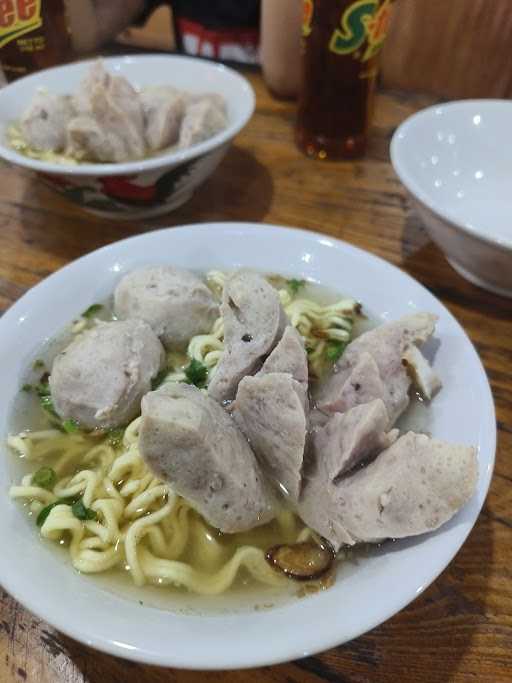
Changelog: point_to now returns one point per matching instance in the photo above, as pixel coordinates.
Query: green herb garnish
(43, 514)
(196, 373)
(115, 437)
(38, 364)
(27, 388)
(92, 310)
(45, 477)
(334, 350)
(70, 426)
(42, 389)
(81, 512)
(159, 378)
(294, 285)
(47, 404)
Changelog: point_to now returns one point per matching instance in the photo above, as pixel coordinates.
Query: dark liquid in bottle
(33, 35)
(339, 61)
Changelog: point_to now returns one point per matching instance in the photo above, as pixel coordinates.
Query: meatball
(100, 378)
(44, 123)
(175, 302)
(203, 119)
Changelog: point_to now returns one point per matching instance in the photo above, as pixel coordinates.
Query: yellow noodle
(140, 523)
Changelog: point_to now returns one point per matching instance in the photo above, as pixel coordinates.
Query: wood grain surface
(460, 629)
(457, 49)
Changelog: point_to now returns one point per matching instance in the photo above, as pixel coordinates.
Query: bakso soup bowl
(454, 159)
(136, 189)
(220, 622)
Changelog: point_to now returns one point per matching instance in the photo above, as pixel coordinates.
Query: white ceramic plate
(374, 590)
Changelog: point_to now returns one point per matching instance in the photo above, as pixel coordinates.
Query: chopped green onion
(47, 404)
(70, 426)
(196, 373)
(27, 387)
(159, 378)
(294, 285)
(81, 512)
(42, 389)
(92, 310)
(38, 364)
(335, 350)
(115, 437)
(43, 514)
(45, 477)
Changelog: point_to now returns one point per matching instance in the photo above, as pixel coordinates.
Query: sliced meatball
(373, 367)
(271, 410)
(254, 321)
(175, 302)
(348, 439)
(111, 122)
(203, 119)
(164, 109)
(289, 356)
(412, 487)
(101, 377)
(44, 124)
(188, 440)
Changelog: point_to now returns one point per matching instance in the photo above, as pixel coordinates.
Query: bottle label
(307, 17)
(364, 20)
(18, 17)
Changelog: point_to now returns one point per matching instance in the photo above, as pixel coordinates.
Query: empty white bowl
(151, 186)
(456, 162)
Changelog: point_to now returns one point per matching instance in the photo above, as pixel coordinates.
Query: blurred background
(455, 49)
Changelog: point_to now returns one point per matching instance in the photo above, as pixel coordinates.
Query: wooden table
(460, 629)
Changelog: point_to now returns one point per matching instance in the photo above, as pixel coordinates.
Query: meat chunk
(254, 321)
(347, 439)
(110, 126)
(175, 302)
(372, 367)
(96, 77)
(289, 356)
(100, 378)
(164, 109)
(188, 440)
(203, 119)
(44, 124)
(412, 487)
(420, 372)
(271, 411)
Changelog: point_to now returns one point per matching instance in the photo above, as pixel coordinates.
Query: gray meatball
(175, 302)
(100, 378)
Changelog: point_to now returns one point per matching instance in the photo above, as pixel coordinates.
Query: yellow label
(307, 17)
(363, 21)
(18, 17)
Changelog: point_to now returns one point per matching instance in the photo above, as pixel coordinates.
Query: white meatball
(100, 378)
(175, 302)
(44, 123)
(203, 119)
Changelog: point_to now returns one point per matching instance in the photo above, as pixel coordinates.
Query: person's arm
(281, 22)
(94, 22)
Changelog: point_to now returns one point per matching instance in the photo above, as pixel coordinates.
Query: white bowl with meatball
(211, 460)
(125, 137)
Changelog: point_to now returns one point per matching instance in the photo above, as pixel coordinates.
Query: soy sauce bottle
(34, 34)
(341, 41)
